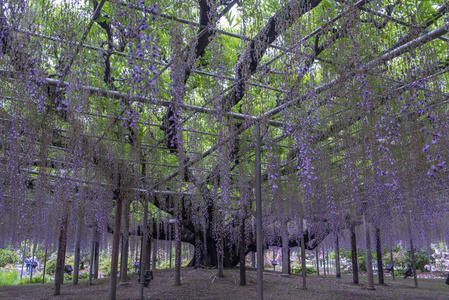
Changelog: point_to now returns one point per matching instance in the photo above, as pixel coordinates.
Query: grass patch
(8, 277)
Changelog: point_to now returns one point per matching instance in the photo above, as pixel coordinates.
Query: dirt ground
(204, 284)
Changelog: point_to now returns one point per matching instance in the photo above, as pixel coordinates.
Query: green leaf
(102, 20)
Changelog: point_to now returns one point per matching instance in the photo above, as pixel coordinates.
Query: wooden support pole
(97, 254)
(242, 248)
(392, 263)
(355, 266)
(220, 257)
(76, 267)
(92, 260)
(154, 254)
(412, 249)
(23, 258)
(259, 229)
(125, 245)
(317, 261)
(337, 258)
(379, 252)
(60, 260)
(369, 258)
(32, 260)
(45, 267)
(115, 244)
(144, 249)
(303, 258)
(177, 253)
(170, 250)
(324, 260)
(285, 250)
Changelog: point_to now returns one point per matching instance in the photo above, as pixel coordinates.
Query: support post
(97, 254)
(303, 257)
(380, 267)
(317, 254)
(412, 250)
(177, 253)
(258, 190)
(92, 260)
(430, 261)
(125, 245)
(76, 264)
(59, 274)
(32, 260)
(115, 243)
(45, 267)
(154, 254)
(242, 248)
(337, 258)
(170, 243)
(355, 266)
(220, 256)
(23, 258)
(369, 258)
(324, 260)
(285, 251)
(143, 251)
(392, 264)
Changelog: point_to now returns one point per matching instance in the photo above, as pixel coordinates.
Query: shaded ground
(203, 284)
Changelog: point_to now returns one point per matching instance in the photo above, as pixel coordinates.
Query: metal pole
(144, 248)
(260, 261)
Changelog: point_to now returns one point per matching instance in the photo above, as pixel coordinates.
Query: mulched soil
(204, 284)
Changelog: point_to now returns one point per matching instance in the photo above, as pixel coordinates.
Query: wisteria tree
(110, 108)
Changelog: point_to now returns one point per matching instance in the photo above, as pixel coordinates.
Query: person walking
(28, 264)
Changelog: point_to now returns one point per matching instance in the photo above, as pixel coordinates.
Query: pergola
(213, 114)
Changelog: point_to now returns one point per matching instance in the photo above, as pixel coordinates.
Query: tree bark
(60, 260)
(355, 266)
